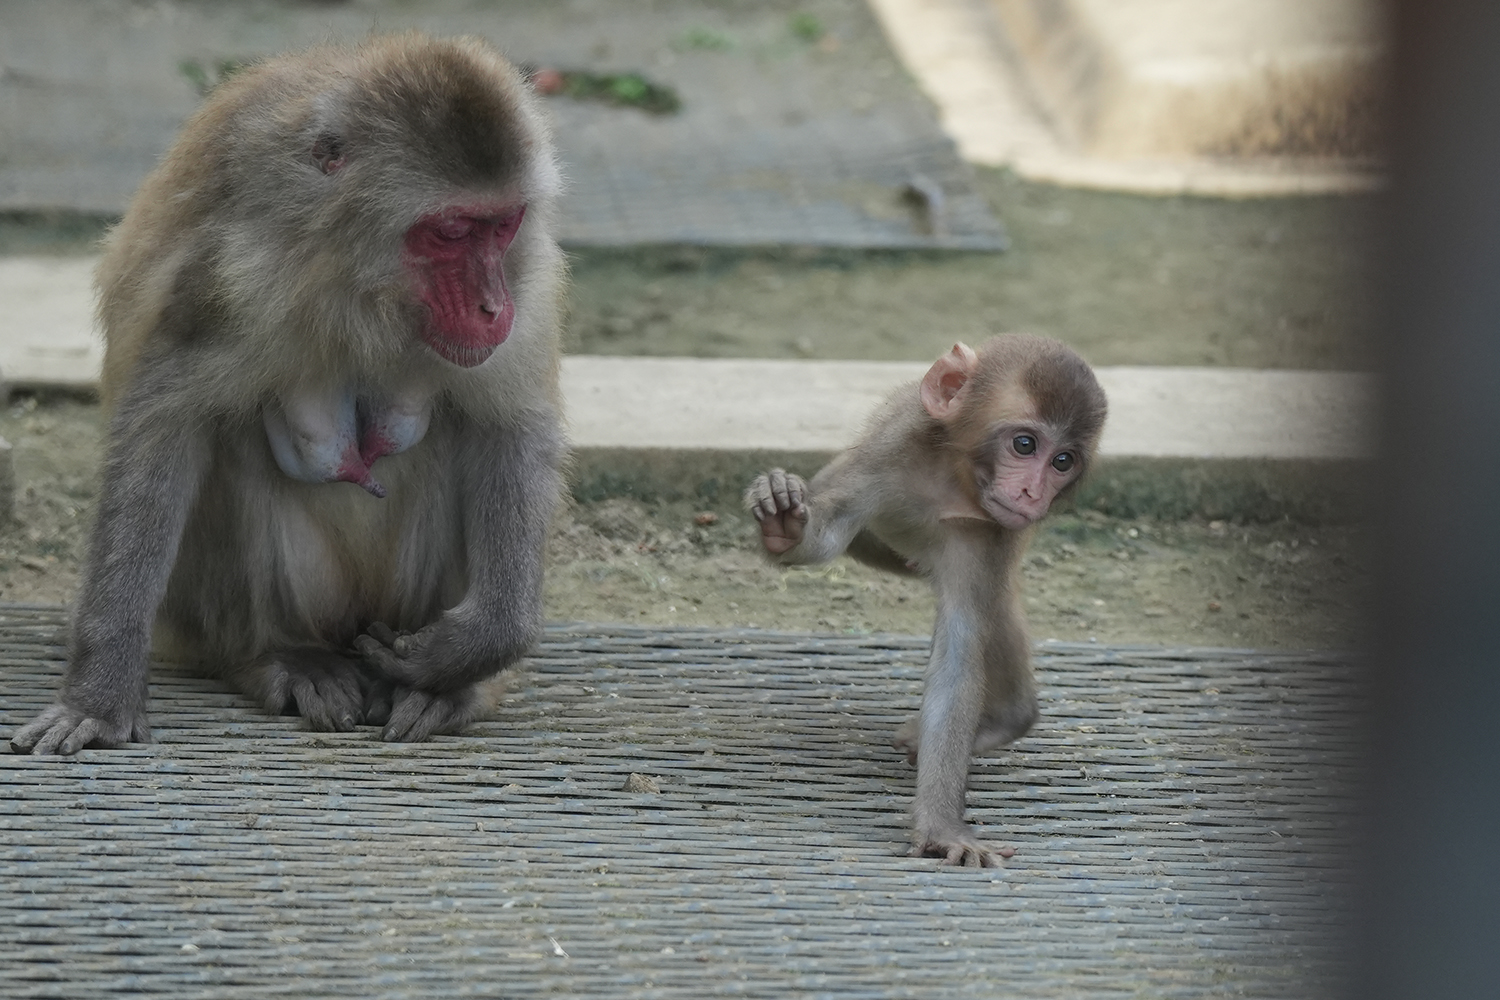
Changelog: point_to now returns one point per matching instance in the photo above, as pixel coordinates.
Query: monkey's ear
(945, 378)
(328, 152)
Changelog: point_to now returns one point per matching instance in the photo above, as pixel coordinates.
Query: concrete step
(765, 405)
(1179, 440)
(1220, 97)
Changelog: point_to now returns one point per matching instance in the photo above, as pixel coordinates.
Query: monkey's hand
(417, 714)
(776, 501)
(956, 844)
(63, 729)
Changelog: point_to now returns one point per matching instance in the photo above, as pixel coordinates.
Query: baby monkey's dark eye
(1062, 461)
(1024, 444)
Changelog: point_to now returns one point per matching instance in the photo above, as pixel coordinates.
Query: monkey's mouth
(1010, 517)
(465, 356)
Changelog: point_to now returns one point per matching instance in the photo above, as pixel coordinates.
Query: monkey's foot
(326, 689)
(906, 739)
(418, 716)
(957, 845)
(994, 731)
(1006, 723)
(61, 729)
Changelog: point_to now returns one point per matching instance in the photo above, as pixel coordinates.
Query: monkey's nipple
(361, 476)
(372, 487)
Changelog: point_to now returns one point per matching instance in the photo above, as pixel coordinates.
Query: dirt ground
(1087, 577)
(1125, 279)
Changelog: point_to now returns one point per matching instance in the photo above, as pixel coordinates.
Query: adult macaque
(331, 322)
(946, 482)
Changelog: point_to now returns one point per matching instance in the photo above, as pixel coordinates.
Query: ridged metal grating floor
(1181, 820)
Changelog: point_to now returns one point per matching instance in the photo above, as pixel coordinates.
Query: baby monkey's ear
(943, 381)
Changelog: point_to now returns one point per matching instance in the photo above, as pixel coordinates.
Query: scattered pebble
(705, 518)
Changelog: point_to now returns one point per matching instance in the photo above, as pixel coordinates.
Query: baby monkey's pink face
(1021, 471)
(1020, 452)
(456, 259)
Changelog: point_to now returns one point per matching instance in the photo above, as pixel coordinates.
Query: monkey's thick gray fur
(270, 258)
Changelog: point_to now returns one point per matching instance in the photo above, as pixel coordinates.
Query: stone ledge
(1231, 98)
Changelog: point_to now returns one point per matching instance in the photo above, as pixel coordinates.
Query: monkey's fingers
(382, 658)
(960, 850)
(787, 490)
(382, 632)
(64, 730)
(331, 703)
(378, 693)
(758, 499)
(959, 855)
(421, 715)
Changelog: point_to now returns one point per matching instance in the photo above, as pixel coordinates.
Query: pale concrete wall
(1171, 78)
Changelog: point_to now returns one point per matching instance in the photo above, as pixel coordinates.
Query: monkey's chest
(335, 435)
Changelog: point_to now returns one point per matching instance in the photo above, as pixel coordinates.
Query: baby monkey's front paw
(776, 501)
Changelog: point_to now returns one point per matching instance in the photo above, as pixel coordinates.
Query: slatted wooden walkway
(1180, 819)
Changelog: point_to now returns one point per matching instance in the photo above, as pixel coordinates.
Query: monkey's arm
(156, 459)
(867, 547)
(978, 678)
(509, 501)
(803, 522)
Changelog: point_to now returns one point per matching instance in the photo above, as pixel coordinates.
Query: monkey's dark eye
(1024, 444)
(1062, 461)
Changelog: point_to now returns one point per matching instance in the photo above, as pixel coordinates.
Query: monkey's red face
(1021, 473)
(456, 259)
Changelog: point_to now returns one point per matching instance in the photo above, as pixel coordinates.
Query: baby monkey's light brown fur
(947, 482)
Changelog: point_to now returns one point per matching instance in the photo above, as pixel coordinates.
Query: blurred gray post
(1432, 861)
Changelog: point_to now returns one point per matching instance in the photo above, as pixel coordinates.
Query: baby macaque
(947, 482)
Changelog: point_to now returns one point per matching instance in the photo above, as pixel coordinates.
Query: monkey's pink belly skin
(336, 436)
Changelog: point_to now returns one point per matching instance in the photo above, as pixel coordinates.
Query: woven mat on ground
(1180, 819)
